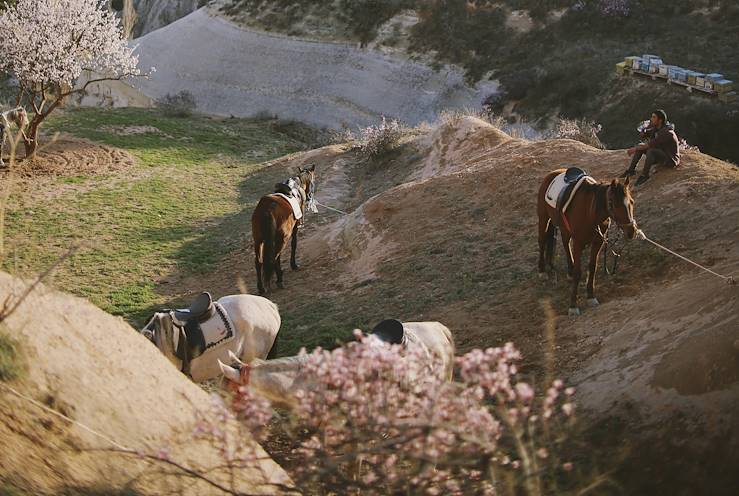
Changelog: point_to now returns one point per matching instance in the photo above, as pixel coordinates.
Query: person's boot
(642, 179)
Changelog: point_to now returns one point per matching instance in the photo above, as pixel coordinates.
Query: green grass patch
(177, 212)
(11, 361)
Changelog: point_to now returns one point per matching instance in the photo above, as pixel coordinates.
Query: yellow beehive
(729, 97)
(723, 85)
(621, 68)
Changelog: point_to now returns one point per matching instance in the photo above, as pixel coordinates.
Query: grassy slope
(178, 211)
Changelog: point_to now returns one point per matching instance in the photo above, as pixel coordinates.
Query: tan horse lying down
(195, 339)
(278, 380)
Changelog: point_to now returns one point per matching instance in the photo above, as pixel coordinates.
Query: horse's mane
(600, 190)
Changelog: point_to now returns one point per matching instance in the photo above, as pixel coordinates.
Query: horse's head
(161, 331)
(621, 207)
(307, 178)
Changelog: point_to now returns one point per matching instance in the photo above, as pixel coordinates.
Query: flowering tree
(47, 44)
(374, 420)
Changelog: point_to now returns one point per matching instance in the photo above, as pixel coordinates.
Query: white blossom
(50, 42)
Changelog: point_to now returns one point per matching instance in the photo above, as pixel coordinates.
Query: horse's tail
(551, 238)
(269, 232)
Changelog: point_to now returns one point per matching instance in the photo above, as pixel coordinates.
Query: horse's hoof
(295, 267)
(593, 302)
(573, 312)
(280, 285)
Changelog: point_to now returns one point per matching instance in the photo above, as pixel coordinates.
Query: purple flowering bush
(377, 419)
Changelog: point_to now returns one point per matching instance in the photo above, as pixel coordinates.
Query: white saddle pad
(558, 184)
(294, 202)
(218, 329)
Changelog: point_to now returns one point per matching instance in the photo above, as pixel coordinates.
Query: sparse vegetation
(11, 363)
(579, 130)
(565, 65)
(182, 104)
(378, 140)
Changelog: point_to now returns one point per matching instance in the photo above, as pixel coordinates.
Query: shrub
(182, 104)
(10, 361)
(375, 141)
(376, 420)
(581, 130)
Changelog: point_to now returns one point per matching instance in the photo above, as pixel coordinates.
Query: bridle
(612, 212)
(604, 236)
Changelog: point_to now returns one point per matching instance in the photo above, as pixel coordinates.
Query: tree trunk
(31, 144)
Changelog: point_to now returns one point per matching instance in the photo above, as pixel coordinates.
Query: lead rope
(331, 208)
(643, 237)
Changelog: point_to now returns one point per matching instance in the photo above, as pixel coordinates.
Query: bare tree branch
(10, 306)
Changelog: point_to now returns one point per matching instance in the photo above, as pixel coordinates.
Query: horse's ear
(229, 373)
(627, 181)
(614, 182)
(312, 168)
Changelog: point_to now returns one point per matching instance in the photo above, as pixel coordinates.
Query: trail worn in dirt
(455, 240)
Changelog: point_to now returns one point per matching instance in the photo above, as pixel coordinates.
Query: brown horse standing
(273, 224)
(588, 215)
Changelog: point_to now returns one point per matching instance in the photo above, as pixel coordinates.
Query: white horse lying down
(196, 338)
(278, 380)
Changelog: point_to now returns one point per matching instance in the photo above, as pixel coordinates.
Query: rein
(604, 236)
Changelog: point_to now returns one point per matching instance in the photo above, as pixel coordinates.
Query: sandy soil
(99, 371)
(657, 356)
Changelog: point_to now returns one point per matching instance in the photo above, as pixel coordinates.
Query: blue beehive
(714, 76)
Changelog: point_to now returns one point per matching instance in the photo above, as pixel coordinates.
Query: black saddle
(201, 309)
(192, 341)
(391, 331)
(572, 176)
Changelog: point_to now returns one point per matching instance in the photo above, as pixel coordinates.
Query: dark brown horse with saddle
(582, 208)
(275, 222)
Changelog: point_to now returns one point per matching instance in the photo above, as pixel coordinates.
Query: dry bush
(182, 104)
(378, 140)
(581, 130)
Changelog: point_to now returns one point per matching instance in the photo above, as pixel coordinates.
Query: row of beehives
(713, 83)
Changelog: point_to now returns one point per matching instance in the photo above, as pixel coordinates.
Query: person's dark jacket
(666, 140)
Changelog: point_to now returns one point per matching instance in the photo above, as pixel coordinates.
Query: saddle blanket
(556, 187)
(294, 203)
(218, 329)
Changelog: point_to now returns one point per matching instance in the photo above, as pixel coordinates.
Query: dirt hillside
(445, 228)
(99, 371)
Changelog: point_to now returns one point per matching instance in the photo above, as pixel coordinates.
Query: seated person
(662, 147)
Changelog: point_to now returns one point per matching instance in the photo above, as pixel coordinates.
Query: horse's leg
(2, 143)
(576, 274)
(543, 224)
(258, 267)
(568, 251)
(278, 271)
(293, 248)
(595, 249)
